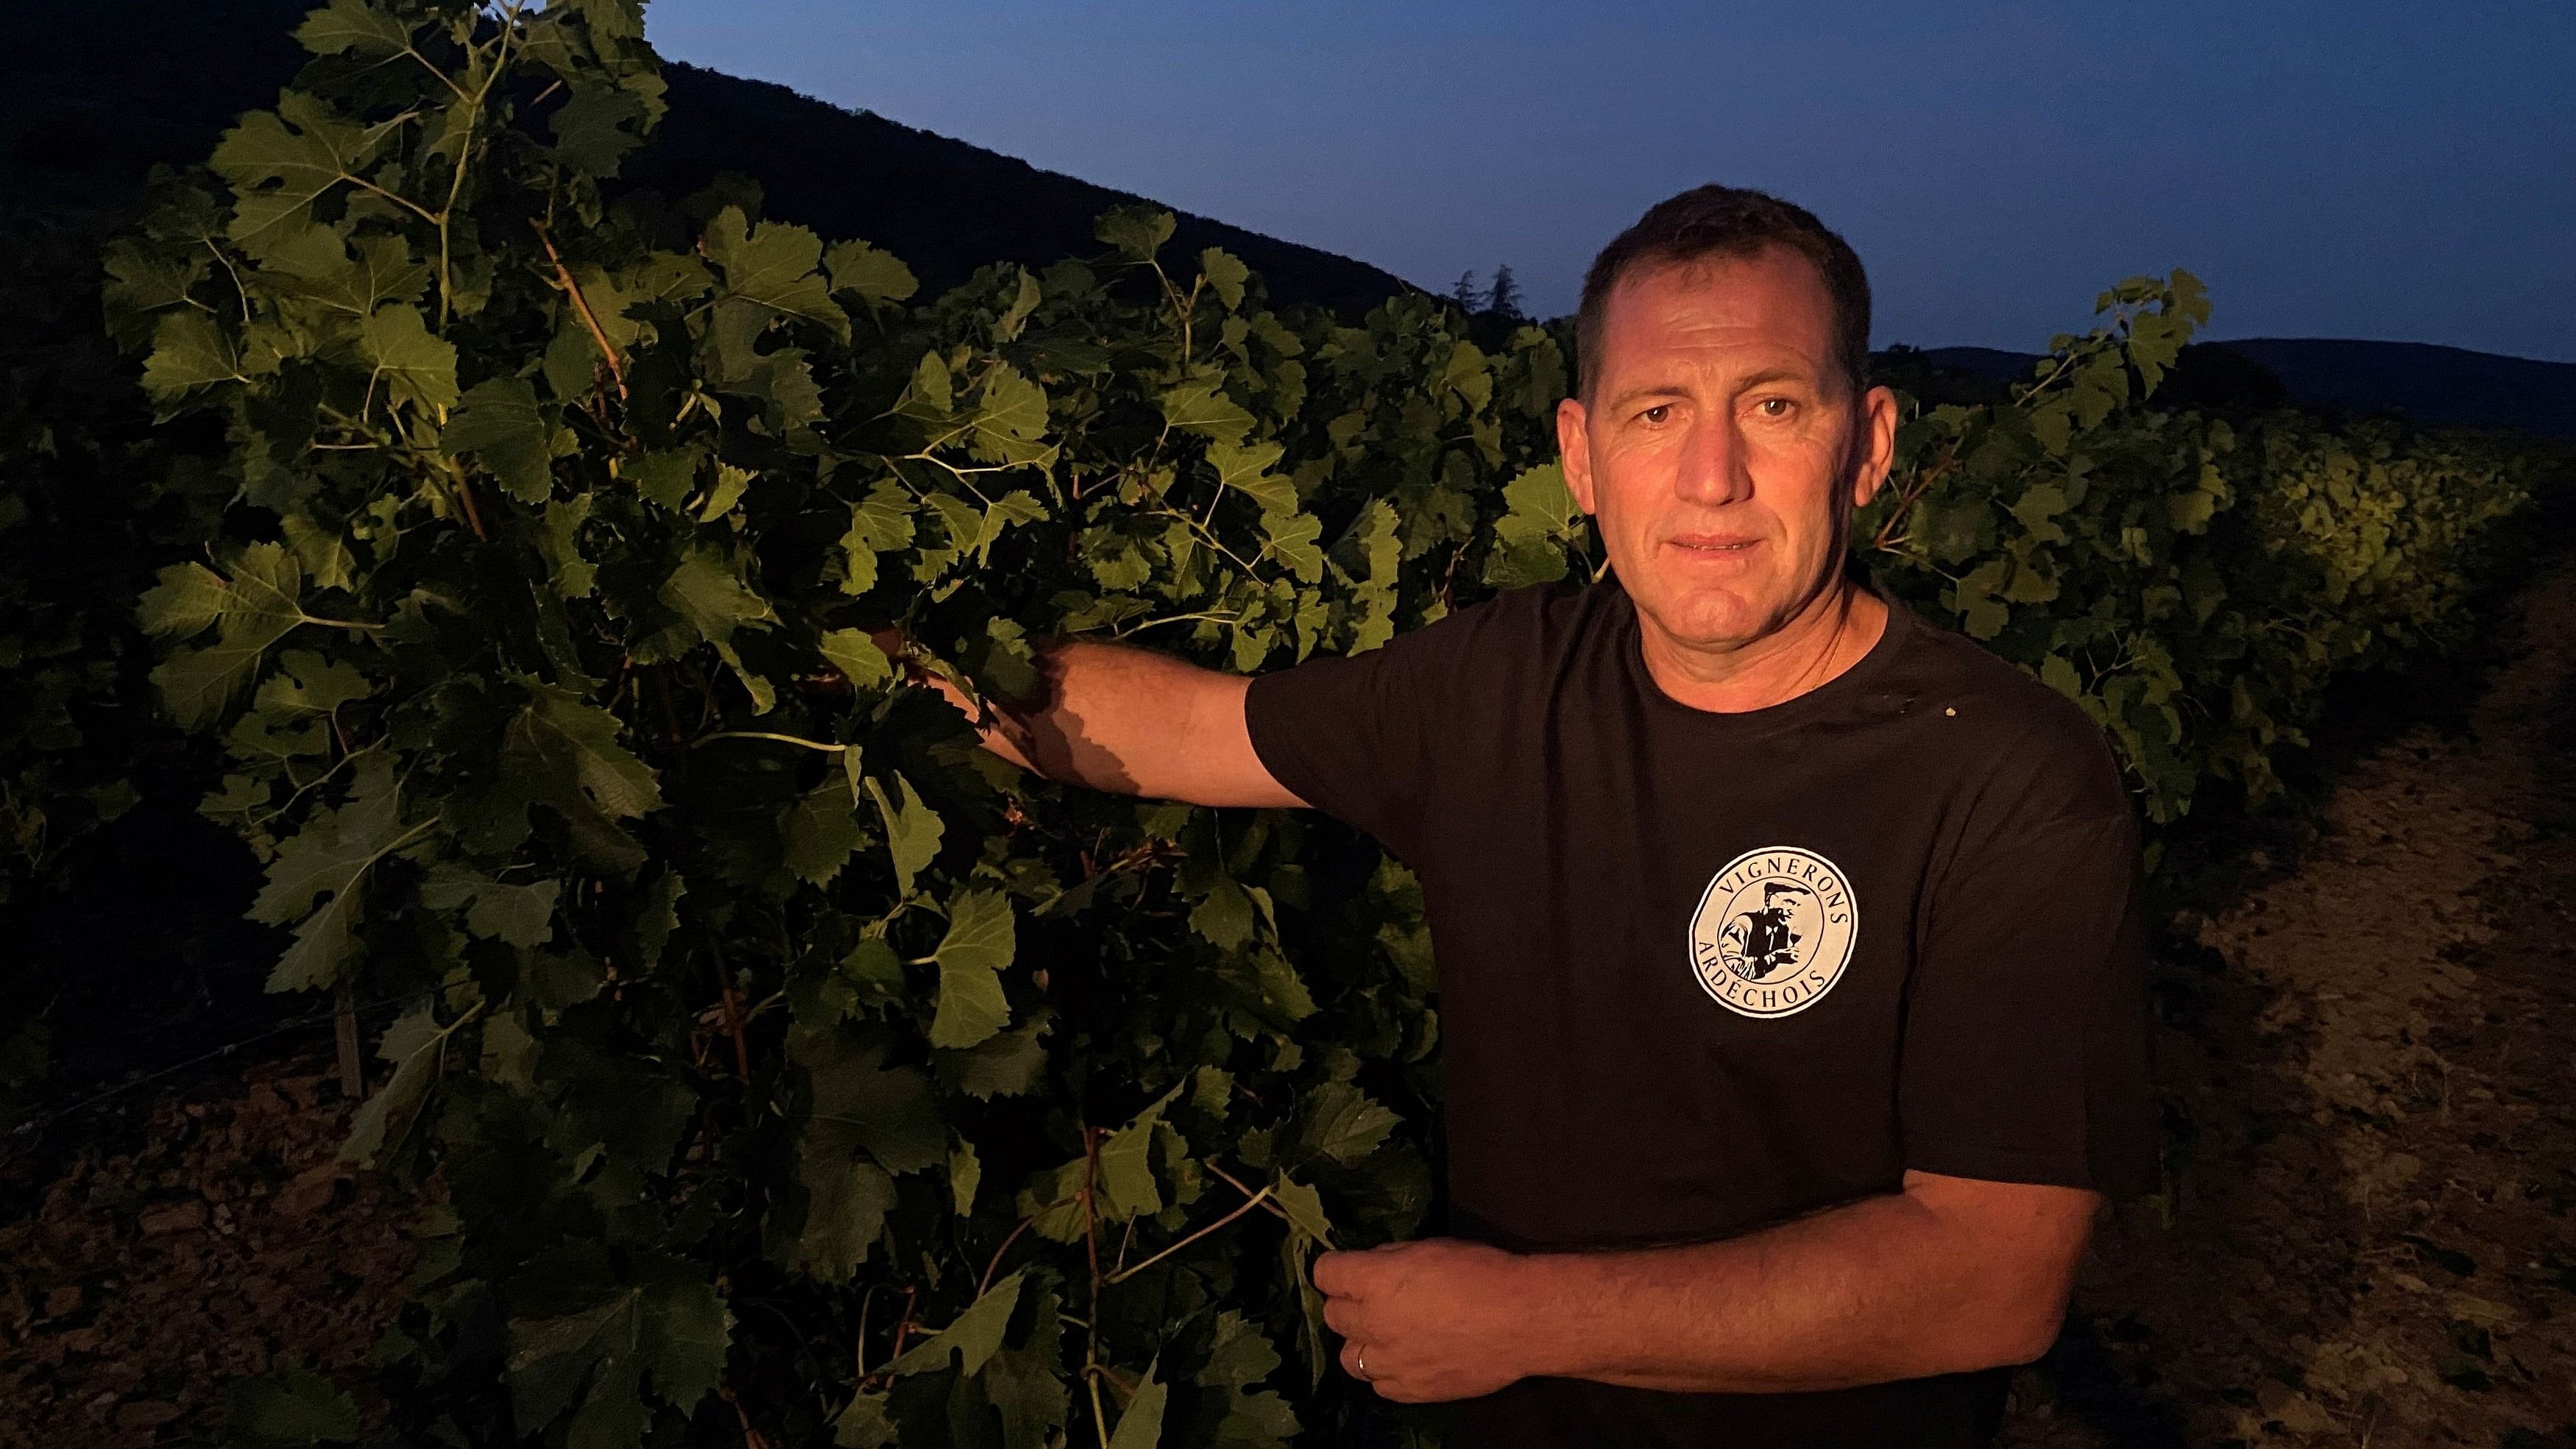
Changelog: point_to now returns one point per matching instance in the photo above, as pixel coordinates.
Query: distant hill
(942, 205)
(2418, 380)
(2429, 383)
(92, 92)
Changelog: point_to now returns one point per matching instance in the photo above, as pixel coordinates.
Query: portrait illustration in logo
(1759, 942)
(1773, 932)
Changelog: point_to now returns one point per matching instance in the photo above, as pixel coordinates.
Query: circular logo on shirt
(1773, 932)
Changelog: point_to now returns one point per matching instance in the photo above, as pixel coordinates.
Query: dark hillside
(2441, 386)
(93, 93)
(2428, 383)
(943, 206)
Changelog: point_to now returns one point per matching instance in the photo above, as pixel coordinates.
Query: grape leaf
(1246, 470)
(329, 858)
(579, 742)
(1140, 1426)
(280, 162)
(878, 276)
(260, 605)
(412, 366)
(1006, 1064)
(291, 1406)
(912, 830)
(970, 1341)
(979, 942)
(772, 268)
(1226, 274)
(520, 915)
(822, 831)
(1126, 1174)
(501, 422)
(1201, 406)
(592, 129)
(1136, 231)
(344, 26)
(1341, 1123)
(858, 658)
(416, 1045)
(186, 602)
(666, 1324)
(190, 350)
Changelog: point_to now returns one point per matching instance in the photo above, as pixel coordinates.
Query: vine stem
(985, 1283)
(1123, 1274)
(1099, 1415)
(861, 1358)
(902, 1331)
(1915, 489)
(1280, 1212)
(581, 304)
(731, 1002)
(829, 749)
(751, 1438)
(1091, 1247)
(473, 516)
(903, 1325)
(456, 185)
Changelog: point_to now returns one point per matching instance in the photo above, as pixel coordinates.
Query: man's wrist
(1530, 1298)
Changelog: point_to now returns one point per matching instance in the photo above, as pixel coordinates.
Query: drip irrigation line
(34, 1126)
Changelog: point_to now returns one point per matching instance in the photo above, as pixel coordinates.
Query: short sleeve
(2027, 1029)
(1356, 736)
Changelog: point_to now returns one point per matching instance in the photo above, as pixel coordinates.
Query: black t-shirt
(1701, 972)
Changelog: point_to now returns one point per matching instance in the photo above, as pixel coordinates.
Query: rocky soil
(2372, 1241)
(168, 1253)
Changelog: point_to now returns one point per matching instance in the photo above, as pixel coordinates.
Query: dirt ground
(172, 1252)
(2372, 1243)
(2368, 1071)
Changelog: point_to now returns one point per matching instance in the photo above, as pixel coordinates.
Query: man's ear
(1877, 444)
(1574, 450)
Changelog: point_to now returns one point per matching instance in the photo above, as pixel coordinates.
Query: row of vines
(785, 1068)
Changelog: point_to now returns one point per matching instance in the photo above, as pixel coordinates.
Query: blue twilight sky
(2352, 168)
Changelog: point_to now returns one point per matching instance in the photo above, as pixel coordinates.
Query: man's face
(1719, 442)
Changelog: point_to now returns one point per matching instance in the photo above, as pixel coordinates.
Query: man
(1823, 1192)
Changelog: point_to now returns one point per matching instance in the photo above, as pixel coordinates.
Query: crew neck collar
(1835, 695)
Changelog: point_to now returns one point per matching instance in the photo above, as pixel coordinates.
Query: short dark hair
(1727, 221)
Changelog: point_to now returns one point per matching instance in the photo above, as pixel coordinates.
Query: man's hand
(1124, 720)
(1423, 1322)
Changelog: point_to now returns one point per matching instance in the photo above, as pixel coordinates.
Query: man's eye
(1774, 407)
(1657, 413)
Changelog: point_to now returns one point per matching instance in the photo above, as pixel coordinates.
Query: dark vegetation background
(147, 963)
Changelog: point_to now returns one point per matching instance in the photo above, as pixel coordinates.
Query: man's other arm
(1946, 1276)
(1136, 723)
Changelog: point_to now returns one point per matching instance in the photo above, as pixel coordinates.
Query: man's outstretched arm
(1136, 723)
(1949, 1275)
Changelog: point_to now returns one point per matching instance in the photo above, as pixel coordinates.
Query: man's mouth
(1712, 543)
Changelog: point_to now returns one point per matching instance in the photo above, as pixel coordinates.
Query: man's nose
(1713, 463)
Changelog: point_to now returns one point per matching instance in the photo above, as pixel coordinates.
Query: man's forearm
(1884, 1288)
(1134, 722)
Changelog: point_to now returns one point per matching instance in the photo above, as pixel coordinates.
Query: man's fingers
(1351, 1361)
(1343, 1316)
(1340, 1274)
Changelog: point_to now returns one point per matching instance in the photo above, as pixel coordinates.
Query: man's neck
(1817, 643)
